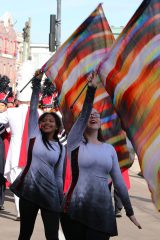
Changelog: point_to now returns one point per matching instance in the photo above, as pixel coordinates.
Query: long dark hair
(58, 124)
(55, 136)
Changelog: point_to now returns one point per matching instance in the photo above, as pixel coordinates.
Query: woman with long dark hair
(40, 185)
(88, 210)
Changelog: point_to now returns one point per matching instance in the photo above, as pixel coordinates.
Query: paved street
(145, 213)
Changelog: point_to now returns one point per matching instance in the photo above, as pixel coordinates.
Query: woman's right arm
(121, 187)
(119, 183)
(76, 133)
(33, 116)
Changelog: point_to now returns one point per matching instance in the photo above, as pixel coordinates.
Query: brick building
(8, 48)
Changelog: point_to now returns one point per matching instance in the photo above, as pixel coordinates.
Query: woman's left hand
(134, 220)
(92, 79)
(38, 74)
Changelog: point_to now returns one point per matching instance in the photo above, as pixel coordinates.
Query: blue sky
(74, 12)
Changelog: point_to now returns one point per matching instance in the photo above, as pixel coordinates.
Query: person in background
(46, 104)
(48, 95)
(88, 210)
(4, 81)
(10, 99)
(2, 164)
(17, 120)
(3, 105)
(40, 185)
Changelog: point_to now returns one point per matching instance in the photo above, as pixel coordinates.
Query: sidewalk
(9, 228)
(144, 209)
(135, 167)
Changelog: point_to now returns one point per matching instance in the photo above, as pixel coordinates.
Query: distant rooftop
(7, 19)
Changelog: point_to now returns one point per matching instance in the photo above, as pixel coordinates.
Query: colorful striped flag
(131, 75)
(76, 58)
(69, 68)
(111, 129)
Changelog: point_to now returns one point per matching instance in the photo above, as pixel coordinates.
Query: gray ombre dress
(89, 199)
(41, 182)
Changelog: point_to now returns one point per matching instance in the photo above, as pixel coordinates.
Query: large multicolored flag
(131, 75)
(69, 68)
(111, 129)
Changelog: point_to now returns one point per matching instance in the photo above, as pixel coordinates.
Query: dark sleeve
(33, 116)
(120, 185)
(2, 129)
(76, 133)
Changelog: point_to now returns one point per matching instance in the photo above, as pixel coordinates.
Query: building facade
(40, 54)
(8, 48)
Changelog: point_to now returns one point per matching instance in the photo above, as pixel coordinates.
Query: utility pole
(58, 25)
(52, 34)
(55, 29)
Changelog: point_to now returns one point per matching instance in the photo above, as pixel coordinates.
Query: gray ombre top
(41, 182)
(89, 200)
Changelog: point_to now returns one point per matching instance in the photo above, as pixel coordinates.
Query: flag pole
(26, 85)
(89, 78)
(71, 107)
(38, 72)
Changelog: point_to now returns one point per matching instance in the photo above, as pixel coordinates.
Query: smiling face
(48, 124)
(94, 121)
